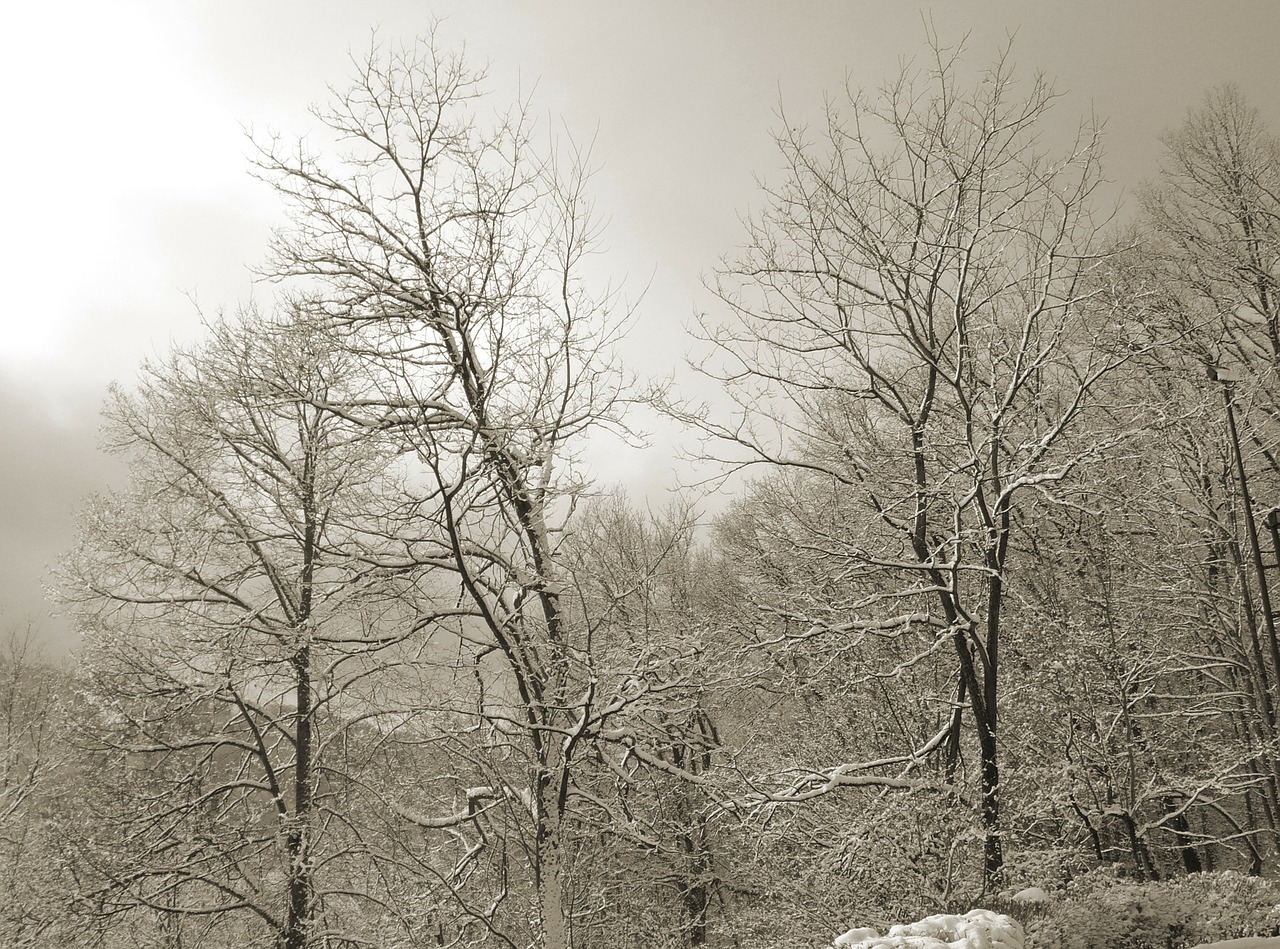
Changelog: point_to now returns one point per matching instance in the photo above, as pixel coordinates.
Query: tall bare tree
(914, 326)
(1212, 226)
(234, 627)
(448, 251)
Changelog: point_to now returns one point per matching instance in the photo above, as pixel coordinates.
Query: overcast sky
(128, 203)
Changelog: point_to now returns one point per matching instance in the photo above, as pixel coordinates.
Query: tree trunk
(298, 838)
(550, 871)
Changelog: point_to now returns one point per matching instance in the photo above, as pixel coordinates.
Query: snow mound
(976, 929)
(1032, 894)
(855, 937)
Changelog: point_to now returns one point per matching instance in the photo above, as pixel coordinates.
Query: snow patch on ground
(1032, 894)
(976, 929)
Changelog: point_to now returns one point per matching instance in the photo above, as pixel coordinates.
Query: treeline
(369, 661)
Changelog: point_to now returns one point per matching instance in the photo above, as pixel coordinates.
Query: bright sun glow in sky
(127, 194)
(118, 129)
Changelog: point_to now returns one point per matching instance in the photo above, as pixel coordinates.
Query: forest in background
(368, 660)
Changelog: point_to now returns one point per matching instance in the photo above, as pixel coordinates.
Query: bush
(1102, 910)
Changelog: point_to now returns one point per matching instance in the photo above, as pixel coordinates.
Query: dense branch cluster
(369, 661)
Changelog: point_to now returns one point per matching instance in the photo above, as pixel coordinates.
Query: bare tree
(449, 253)
(646, 591)
(914, 325)
(33, 888)
(1216, 210)
(1212, 220)
(234, 631)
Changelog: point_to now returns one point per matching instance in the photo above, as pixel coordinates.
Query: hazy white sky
(127, 196)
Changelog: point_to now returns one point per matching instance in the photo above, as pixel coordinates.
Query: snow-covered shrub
(1047, 866)
(1128, 916)
(1101, 910)
(1228, 905)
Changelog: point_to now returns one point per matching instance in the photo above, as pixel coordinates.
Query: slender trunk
(953, 736)
(993, 853)
(1264, 725)
(1260, 678)
(697, 901)
(297, 841)
(989, 809)
(1181, 830)
(1248, 727)
(1253, 724)
(1207, 847)
(553, 756)
(298, 837)
(1142, 863)
(1251, 532)
(987, 719)
(987, 744)
(551, 873)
